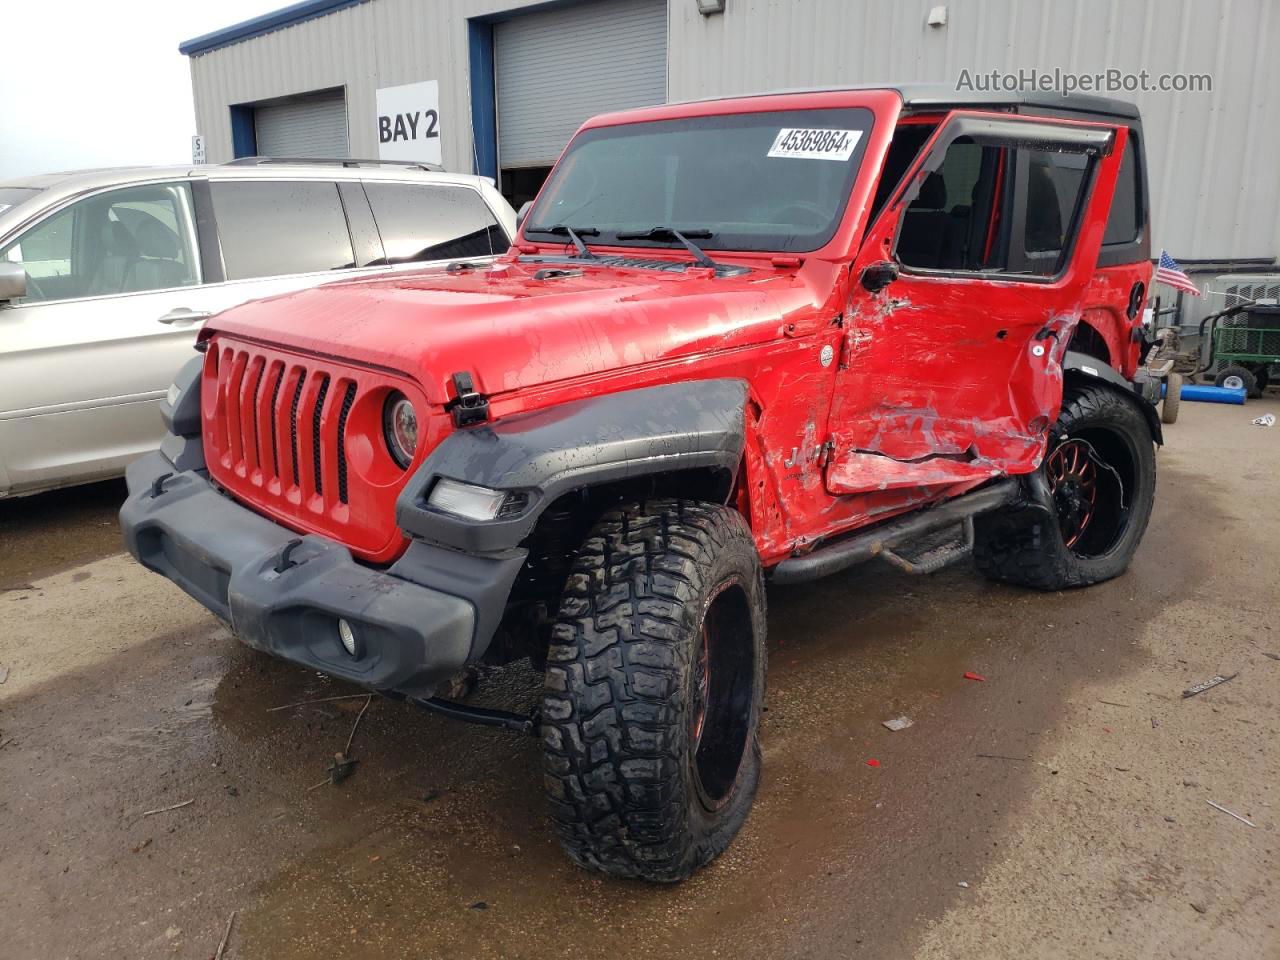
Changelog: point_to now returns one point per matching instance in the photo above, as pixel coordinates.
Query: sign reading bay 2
(409, 122)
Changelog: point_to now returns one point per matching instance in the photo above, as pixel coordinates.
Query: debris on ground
(962, 883)
(873, 763)
(176, 806)
(897, 723)
(4, 674)
(999, 756)
(1266, 420)
(226, 935)
(304, 703)
(1207, 684)
(1199, 907)
(1112, 703)
(343, 763)
(480, 905)
(1273, 656)
(974, 676)
(1230, 814)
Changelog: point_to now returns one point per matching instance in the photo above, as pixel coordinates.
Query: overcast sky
(93, 83)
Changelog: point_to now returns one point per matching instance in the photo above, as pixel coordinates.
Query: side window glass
(956, 220)
(433, 222)
(995, 209)
(271, 228)
(124, 241)
(1125, 219)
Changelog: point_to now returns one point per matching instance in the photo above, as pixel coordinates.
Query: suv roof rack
(336, 161)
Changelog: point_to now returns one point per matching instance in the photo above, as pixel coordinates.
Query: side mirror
(879, 275)
(13, 281)
(522, 213)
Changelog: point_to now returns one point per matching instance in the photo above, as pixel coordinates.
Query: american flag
(1168, 271)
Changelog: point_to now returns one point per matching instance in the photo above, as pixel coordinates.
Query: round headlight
(400, 425)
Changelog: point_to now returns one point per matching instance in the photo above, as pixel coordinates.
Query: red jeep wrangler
(735, 341)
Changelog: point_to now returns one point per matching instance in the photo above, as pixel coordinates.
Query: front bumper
(411, 636)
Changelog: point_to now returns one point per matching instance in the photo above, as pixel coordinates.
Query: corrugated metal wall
(559, 67)
(1214, 189)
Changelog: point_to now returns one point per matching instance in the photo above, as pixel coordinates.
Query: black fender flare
(546, 453)
(1083, 368)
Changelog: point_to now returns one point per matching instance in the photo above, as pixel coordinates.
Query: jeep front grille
(276, 436)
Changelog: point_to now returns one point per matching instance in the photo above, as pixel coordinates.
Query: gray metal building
(514, 79)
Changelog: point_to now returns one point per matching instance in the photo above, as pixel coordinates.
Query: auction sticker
(815, 144)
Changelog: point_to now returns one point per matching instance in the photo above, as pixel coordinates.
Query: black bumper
(411, 636)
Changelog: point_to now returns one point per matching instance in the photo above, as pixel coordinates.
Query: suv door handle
(184, 316)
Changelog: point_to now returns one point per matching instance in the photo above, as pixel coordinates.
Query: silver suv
(107, 275)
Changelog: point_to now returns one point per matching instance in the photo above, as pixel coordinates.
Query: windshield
(12, 196)
(776, 181)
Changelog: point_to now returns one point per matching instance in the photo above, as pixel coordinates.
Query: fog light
(347, 636)
(466, 499)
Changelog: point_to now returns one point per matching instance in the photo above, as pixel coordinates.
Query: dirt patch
(126, 697)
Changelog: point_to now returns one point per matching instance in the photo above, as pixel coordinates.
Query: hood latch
(468, 406)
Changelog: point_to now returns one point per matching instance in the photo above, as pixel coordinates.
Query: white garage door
(313, 126)
(558, 68)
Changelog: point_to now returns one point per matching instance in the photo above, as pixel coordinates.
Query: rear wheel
(1100, 472)
(1236, 377)
(654, 684)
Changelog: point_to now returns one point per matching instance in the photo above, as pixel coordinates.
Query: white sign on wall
(197, 149)
(409, 122)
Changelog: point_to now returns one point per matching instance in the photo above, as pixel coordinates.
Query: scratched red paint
(935, 388)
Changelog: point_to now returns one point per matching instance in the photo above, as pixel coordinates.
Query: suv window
(963, 218)
(1125, 219)
(776, 181)
(433, 222)
(123, 241)
(271, 228)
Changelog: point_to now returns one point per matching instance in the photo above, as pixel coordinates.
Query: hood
(515, 325)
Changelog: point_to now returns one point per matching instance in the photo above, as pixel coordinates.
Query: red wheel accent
(701, 690)
(1073, 481)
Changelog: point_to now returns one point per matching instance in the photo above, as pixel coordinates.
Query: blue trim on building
(267, 23)
(484, 102)
(244, 135)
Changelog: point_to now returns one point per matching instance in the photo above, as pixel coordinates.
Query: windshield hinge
(468, 406)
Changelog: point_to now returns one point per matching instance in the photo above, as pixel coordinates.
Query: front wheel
(1100, 472)
(654, 684)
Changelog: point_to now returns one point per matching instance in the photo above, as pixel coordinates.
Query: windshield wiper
(574, 234)
(670, 233)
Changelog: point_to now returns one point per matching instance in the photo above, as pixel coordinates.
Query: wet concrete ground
(1086, 833)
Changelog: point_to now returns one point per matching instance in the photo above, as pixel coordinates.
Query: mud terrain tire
(654, 685)
(1020, 545)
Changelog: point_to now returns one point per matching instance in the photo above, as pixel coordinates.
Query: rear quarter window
(433, 222)
(1125, 219)
(273, 228)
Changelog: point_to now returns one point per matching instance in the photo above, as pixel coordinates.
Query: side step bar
(864, 545)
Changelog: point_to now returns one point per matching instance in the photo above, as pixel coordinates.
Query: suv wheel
(1101, 474)
(654, 684)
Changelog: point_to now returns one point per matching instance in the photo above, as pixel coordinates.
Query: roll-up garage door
(556, 69)
(310, 126)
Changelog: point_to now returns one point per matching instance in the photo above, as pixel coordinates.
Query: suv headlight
(466, 499)
(400, 427)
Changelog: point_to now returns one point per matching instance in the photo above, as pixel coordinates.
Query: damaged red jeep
(736, 341)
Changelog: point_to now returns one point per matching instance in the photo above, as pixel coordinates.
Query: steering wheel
(809, 212)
